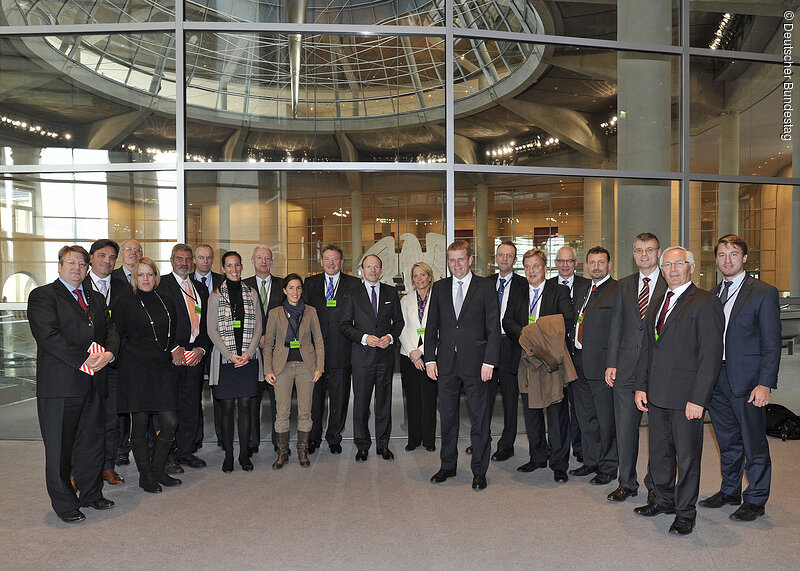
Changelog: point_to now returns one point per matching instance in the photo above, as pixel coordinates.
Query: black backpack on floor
(782, 423)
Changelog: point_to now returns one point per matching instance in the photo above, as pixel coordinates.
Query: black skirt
(236, 383)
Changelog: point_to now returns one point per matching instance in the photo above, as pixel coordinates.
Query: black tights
(243, 423)
(167, 424)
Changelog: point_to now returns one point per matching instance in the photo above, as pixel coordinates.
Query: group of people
(122, 355)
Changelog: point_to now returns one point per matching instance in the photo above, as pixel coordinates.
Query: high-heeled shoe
(246, 464)
(227, 465)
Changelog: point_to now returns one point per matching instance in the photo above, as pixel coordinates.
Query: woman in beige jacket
(294, 355)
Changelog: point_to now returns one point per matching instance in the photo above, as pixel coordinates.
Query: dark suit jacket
(627, 327)
(683, 365)
(63, 334)
(359, 319)
(275, 296)
(554, 299)
(518, 283)
(476, 332)
(596, 326)
(753, 339)
(119, 273)
(337, 346)
(169, 288)
(119, 288)
(580, 286)
(216, 280)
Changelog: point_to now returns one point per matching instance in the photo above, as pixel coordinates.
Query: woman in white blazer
(420, 392)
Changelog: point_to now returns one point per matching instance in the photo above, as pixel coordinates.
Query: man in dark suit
(678, 367)
(372, 320)
(102, 257)
(750, 360)
(566, 260)
(506, 283)
(594, 399)
(328, 292)
(634, 293)
(191, 300)
(462, 348)
(66, 320)
(538, 299)
(270, 296)
(131, 252)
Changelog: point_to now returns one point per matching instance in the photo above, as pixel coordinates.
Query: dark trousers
(73, 433)
(377, 377)
(627, 419)
(255, 415)
(190, 391)
(574, 427)
(557, 433)
(594, 403)
(740, 428)
(480, 416)
(111, 421)
(420, 395)
(506, 381)
(124, 432)
(676, 445)
(336, 382)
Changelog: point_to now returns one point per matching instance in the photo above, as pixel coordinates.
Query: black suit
(190, 378)
(505, 376)
(373, 367)
(460, 345)
(274, 300)
(336, 380)
(594, 399)
(624, 344)
(553, 299)
(70, 402)
(216, 280)
(119, 273)
(680, 367)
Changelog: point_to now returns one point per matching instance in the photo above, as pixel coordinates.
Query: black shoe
(72, 516)
(385, 453)
(579, 457)
(252, 450)
(362, 455)
(410, 447)
(602, 478)
(192, 461)
(173, 467)
(531, 466)
(122, 459)
(652, 509)
(747, 512)
(651, 496)
(335, 448)
(312, 446)
(503, 454)
(560, 476)
(246, 464)
(468, 450)
(479, 482)
(621, 494)
(584, 470)
(227, 465)
(720, 499)
(442, 475)
(431, 448)
(100, 504)
(681, 526)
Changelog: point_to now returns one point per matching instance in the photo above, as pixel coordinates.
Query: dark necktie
(662, 317)
(329, 289)
(565, 283)
(500, 291)
(374, 301)
(81, 302)
(583, 313)
(726, 286)
(644, 297)
(205, 285)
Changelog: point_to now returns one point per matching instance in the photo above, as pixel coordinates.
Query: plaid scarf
(225, 319)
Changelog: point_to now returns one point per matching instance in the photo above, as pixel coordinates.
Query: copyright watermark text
(788, 80)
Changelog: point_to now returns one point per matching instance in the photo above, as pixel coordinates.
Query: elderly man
(131, 252)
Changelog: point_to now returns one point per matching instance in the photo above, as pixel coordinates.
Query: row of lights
(153, 151)
(719, 35)
(25, 126)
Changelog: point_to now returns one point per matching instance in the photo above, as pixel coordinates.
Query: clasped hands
(380, 342)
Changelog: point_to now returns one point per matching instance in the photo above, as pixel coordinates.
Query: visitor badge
(330, 303)
(580, 318)
(294, 344)
(421, 331)
(237, 324)
(198, 309)
(531, 319)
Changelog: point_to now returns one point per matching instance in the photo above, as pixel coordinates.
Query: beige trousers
(295, 373)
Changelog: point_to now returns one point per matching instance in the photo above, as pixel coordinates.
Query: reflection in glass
(66, 12)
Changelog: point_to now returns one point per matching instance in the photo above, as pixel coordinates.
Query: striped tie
(644, 297)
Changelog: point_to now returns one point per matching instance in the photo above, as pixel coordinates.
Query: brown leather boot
(283, 450)
(302, 449)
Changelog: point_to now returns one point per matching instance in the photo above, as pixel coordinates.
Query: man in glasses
(130, 252)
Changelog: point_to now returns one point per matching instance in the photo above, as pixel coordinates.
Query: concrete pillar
(592, 212)
(356, 216)
(728, 193)
(483, 249)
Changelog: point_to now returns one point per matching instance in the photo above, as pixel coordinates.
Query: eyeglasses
(640, 251)
(129, 249)
(562, 261)
(677, 265)
(73, 263)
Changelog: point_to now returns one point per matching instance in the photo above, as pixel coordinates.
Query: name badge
(531, 319)
(580, 318)
(198, 309)
(330, 303)
(421, 331)
(294, 344)
(237, 324)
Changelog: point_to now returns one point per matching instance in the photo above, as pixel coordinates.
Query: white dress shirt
(733, 292)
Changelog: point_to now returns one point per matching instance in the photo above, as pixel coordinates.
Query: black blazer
(169, 288)
(216, 280)
(518, 283)
(683, 365)
(476, 332)
(119, 288)
(359, 319)
(596, 327)
(627, 326)
(337, 346)
(554, 299)
(275, 296)
(119, 273)
(63, 333)
(580, 285)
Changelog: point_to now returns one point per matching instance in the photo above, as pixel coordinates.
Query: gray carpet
(339, 514)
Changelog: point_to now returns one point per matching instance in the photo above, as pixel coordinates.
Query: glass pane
(562, 106)
(65, 12)
(87, 99)
(741, 117)
(759, 27)
(17, 365)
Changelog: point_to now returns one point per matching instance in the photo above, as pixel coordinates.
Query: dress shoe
(112, 477)
(431, 448)
(385, 453)
(442, 475)
(621, 494)
(479, 482)
(227, 465)
(122, 459)
(252, 450)
(531, 466)
(503, 454)
(583, 470)
(720, 499)
(335, 448)
(192, 461)
(410, 447)
(560, 476)
(173, 467)
(602, 478)
(468, 450)
(747, 512)
(246, 464)
(72, 516)
(100, 504)
(652, 509)
(681, 526)
(312, 446)
(362, 455)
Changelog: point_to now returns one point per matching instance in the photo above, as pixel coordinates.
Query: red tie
(82, 303)
(644, 297)
(583, 312)
(662, 317)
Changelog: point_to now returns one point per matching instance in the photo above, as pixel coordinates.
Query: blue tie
(532, 310)
(374, 301)
(329, 289)
(500, 290)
